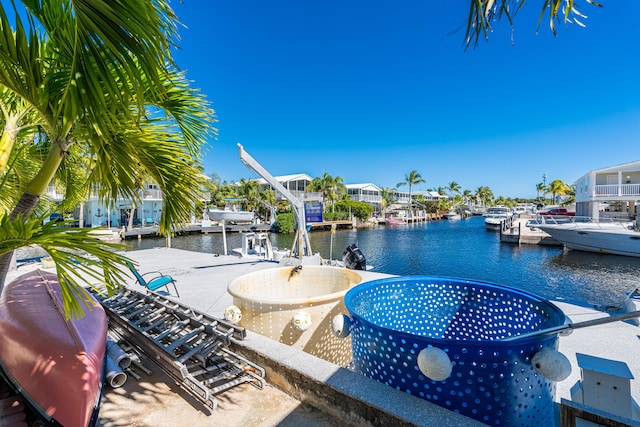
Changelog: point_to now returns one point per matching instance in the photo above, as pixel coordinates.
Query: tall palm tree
(95, 79)
(540, 188)
(454, 188)
(412, 178)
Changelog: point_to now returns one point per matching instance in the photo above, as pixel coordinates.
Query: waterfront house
(95, 213)
(296, 184)
(368, 193)
(611, 192)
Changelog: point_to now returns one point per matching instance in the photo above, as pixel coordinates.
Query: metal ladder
(189, 345)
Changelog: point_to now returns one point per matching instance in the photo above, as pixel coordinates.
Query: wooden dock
(515, 230)
(138, 233)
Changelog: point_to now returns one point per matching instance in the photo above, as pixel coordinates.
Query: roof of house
(288, 178)
(363, 186)
(624, 167)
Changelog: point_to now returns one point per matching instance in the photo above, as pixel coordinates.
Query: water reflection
(463, 249)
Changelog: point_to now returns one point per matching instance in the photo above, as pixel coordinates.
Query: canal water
(461, 249)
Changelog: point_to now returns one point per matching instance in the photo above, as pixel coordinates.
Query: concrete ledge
(351, 398)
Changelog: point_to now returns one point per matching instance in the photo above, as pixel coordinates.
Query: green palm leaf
(80, 258)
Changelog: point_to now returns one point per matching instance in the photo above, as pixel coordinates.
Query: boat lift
(301, 244)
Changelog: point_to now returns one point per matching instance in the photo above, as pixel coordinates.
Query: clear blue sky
(369, 90)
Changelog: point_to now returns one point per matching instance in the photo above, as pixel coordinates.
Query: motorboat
(231, 216)
(495, 216)
(56, 364)
(585, 234)
(232, 212)
(452, 216)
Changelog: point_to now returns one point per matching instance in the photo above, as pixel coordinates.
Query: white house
(369, 193)
(609, 192)
(296, 184)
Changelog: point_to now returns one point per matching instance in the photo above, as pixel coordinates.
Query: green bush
(285, 223)
(360, 210)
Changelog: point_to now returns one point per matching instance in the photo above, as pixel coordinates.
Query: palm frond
(484, 13)
(81, 259)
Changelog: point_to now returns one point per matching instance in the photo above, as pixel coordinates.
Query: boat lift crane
(301, 245)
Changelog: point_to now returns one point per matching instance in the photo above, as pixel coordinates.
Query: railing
(152, 194)
(617, 190)
(576, 220)
(365, 198)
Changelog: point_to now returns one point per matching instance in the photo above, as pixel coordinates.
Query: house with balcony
(611, 192)
(368, 193)
(296, 184)
(95, 213)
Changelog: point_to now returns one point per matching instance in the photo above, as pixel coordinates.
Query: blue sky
(370, 90)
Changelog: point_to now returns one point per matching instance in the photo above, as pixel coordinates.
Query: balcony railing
(618, 190)
(366, 198)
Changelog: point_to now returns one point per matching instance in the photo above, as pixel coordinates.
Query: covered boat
(56, 364)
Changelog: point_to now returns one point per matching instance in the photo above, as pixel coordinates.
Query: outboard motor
(353, 258)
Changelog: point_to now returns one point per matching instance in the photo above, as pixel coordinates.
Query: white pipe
(117, 354)
(115, 376)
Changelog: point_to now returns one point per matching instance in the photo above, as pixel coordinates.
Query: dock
(302, 389)
(515, 230)
(139, 233)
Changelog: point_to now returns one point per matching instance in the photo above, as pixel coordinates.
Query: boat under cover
(56, 364)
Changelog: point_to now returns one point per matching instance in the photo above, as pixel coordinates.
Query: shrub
(285, 223)
(360, 210)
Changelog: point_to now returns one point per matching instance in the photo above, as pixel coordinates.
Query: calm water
(462, 249)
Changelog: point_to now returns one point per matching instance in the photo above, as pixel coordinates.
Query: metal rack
(189, 345)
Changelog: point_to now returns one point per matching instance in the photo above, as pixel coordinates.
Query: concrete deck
(303, 389)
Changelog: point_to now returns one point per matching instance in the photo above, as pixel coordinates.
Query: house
(296, 184)
(95, 213)
(612, 192)
(369, 193)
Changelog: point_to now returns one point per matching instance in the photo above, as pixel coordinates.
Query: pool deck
(302, 389)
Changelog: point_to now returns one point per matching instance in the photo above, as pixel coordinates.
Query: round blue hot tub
(491, 380)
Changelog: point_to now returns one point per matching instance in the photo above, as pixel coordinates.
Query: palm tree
(412, 178)
(557, 187)
(249, 189)
(332, 188)
(540, 188)
(482, 14)
(485, 195)
(94, 79)
(453, 187)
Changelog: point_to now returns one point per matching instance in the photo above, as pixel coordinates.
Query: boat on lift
(232, 213)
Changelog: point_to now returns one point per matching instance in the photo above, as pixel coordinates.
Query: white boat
(232, 212)
(258, 246)
(452, 215)
(585, 234)
(495, 216)
(231, 216)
